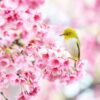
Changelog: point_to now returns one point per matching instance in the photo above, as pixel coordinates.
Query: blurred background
(84, 16)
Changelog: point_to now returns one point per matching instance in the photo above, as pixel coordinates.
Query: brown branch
(91, 86)
(3, 96)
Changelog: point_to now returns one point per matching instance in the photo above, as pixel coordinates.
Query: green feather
(78, 50)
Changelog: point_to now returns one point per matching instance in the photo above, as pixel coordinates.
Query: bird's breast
(71, 46)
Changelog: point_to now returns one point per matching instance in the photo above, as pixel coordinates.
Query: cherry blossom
(29, 52)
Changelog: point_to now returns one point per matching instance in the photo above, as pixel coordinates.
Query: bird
(71, 43)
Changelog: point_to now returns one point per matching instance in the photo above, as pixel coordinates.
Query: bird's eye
(68, 33)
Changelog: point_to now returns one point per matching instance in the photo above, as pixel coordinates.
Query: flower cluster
(28, 52)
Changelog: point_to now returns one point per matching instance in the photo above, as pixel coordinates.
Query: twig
(3, 96)
(91, 86)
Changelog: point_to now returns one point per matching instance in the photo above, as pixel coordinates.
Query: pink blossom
(29, 50)
(55, 62)
(37, 17)
(23, 97)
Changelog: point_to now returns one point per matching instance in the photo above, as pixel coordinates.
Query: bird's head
(69, 33)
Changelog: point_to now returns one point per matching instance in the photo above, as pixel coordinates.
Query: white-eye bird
(72, 43)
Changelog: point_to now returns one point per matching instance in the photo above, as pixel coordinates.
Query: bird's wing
(78, 50)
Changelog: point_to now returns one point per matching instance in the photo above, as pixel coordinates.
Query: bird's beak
(61, 34)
